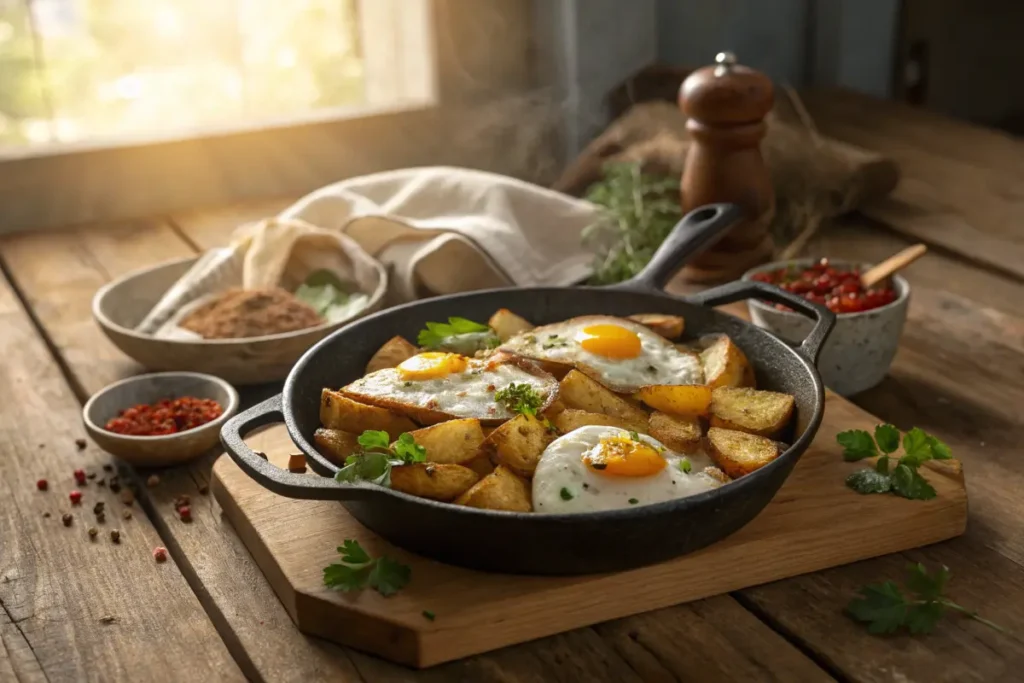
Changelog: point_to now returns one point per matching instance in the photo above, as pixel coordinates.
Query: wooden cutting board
(813, 523)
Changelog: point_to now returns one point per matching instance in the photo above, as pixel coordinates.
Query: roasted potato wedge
(677, 399)
(437, 481)
(739, 453)
(481, 464)
(572, 418)
(753, 411)
(725, 365)
(455, 442)
(335, 445)
(668, 326)
(554, 409)
(576, 390)
(502, 489)
(507, 324)
(680, 433)
(518, 444)
(340, 412)
(394, 351)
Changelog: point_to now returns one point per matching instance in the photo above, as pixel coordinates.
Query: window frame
(469, 65)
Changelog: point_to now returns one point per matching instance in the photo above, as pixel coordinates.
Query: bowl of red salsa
(160, 419)
(869, 322)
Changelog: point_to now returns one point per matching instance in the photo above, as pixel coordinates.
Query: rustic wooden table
(79, 610)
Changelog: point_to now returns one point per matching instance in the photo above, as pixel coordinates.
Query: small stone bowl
(862, 345)
(169, 449)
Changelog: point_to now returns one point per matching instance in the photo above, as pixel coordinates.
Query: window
(124, 108)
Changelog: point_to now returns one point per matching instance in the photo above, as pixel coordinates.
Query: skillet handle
(282, 482)
(824, 319)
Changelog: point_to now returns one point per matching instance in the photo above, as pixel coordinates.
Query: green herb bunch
(376, 457)
(640, 210)
(903, 479)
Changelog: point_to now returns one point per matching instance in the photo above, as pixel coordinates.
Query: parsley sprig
(377, 456)
(903, 479)
(887, 609)
(520, 398)
(358, 570)
(458, 335)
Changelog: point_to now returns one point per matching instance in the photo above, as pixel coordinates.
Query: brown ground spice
(241, 313)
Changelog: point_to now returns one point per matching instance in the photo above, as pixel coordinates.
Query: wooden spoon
(886, 268)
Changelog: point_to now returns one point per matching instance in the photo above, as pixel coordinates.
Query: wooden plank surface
(75, 609)
(292, 540)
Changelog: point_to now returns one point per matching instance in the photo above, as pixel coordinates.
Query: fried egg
(435, 386)
(597, 468)
(621, 354)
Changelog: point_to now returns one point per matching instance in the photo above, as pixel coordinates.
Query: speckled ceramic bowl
(158, 451)
(861, 347)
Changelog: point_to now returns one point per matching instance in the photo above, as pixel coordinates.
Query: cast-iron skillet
(546, 543)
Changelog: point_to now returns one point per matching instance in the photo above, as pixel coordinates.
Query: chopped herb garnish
(376, 457)
(429, 615)
(634, 436)
(520, 398)
(358, 570)
(903, 478)
(633, 501)
(458, 334)
(406, 384)
(684, 465)
(566, 494)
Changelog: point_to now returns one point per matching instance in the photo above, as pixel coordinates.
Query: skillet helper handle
(282, 482)
(694, 233)
(824, 319)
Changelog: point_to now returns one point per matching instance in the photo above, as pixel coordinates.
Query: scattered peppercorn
(97, 509)
(160, 553)
(115, 484)
(46, 515)
(101, 482)
(169, 416)
(127, 497)
(204, 490)
(297, 463)
(108, 620)
(126, 513)
(92, 533)
(67, 519)
(90, 475)
(115, 536)
(152, 481)
(107, 467)
(101, 518)
(76, 497)
(80, 476)
(42, 485)
(185, 513)
(80, 444)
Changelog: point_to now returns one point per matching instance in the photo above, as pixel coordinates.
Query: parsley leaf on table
(857, 445)
(358, 570)
(886, 609)
(520, 398)
(902, 480)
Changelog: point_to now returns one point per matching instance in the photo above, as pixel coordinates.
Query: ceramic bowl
(158, 451)
(862, 345)
(121, 305)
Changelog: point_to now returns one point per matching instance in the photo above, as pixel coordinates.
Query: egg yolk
(610, 341)
(431, 365)
(623, 457)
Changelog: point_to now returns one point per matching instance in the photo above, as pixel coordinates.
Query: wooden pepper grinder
(725, 105)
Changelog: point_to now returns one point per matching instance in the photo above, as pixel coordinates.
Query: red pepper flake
(185, 513)
(297, 463)
(160, 553)
(169, 416)
(182, 500)
(76, 497)
(80, 477)
(42, 485)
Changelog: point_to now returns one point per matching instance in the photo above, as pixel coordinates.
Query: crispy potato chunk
(576, 390)
(437, 481)
(725, 365)
(518, 444)
(739, 453)
(394, 351)
(454, 442)
(668, 326)
(717, 474)
(507, 324)
(335, 445)
(340, 412)
(753, 411)
(481, 464)
(571, 419)
(677, 399)
(678, 432)
(500, 490)
(554, 409)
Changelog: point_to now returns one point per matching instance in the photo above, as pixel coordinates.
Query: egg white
(469, 393)
(659, 360)
(561, 467)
